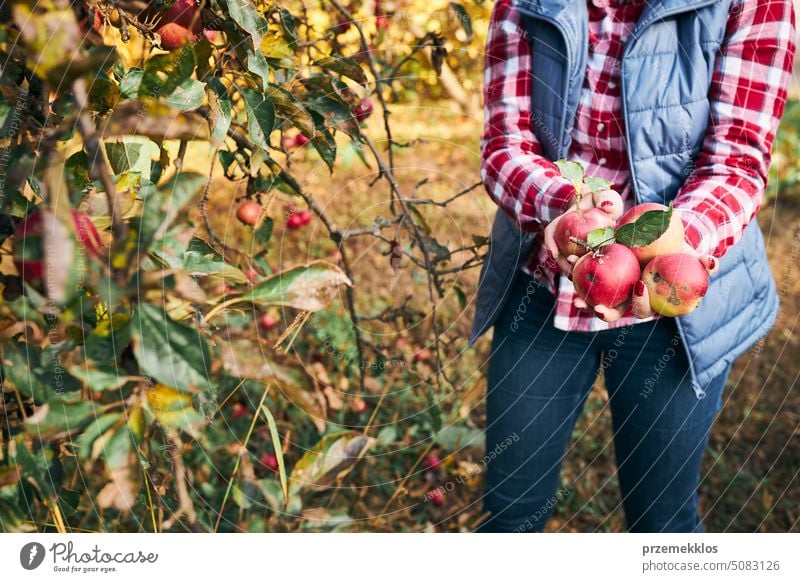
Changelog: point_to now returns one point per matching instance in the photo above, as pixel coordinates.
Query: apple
(436, 497)
(358, 404)
(179, 26)
(382, 22)
(269, 460)
(606, 276)
(669, 242)
(423, 355)
(268, 321)
(238, 410)
(294, 221)
(676, 283)
(174, 35)
(28, 251)
(305, 216)
(300, 140)
(363, 110)
(431, 462)
(248, 212)
(578, 225)
(251, 275)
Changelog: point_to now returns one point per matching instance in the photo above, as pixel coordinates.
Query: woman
(669, 100)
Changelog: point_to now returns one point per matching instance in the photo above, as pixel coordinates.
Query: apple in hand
(676, 283)
(575, 224)
(669, 242)
(606, 276)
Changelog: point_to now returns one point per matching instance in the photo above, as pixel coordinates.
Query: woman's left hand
(640, 302)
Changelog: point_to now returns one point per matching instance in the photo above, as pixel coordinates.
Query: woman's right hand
(608, 201)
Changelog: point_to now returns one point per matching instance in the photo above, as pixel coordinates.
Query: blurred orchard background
(268, 331)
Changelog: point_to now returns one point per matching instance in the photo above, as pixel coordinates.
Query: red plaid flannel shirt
(725, 189)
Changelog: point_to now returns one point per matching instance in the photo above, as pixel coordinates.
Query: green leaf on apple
(600, 237)
(572, 171)
(645, 229)
(594, 184)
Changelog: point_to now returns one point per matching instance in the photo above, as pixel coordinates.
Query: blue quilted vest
(666, 72)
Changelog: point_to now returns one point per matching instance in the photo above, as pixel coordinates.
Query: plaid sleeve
(526, 185)
(747, 96)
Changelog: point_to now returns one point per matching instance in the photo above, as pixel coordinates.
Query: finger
(640, 303)
(550, 239)
(572, 259)
(609, 202)
(710, 263)
(610, 314)
(579, 303)
(564, 265)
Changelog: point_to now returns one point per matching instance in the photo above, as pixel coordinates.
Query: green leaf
(260, 116)
(132, 153)
(344, 66)
(22, 366)
(163, 74)
(387, 435)
(199, 265)
(130, 83)
(594, 184)
(572, 171)
(248, 18)
(219, 103)
(600, 237)
(308, 288)
(172, 353)
(264, 231)
(187, 96)
(257, 64)
(100, 380)
(162, 206)
(463, 18)
(334, 456)
(94, 431)
(59, 417)
(454, 437)
(645, 229)
(276, 445)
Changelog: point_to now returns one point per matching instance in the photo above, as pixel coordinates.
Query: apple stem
(581, 243)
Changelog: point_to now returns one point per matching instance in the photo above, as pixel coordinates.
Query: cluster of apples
(616, 252)
(180, 24)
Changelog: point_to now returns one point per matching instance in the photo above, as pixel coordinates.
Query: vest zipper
(698, 390)
(635, 35)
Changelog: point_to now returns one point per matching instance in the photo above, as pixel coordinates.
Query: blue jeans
(539, 378)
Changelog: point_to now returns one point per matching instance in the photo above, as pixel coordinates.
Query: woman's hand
(640, 302)
(606, 200)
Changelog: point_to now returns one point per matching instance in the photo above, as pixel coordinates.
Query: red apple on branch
(249, 212)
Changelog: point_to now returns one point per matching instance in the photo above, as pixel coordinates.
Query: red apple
(676, 283)
(436, 497)
(248, 212)
(305, 216)
(382, 22)
(358, 404)
(669, 242)
(363, 110)
(268, 321)
(606, 276)
(183, 12)
(431, 462)
(578, 225)
(423, 355)
(294, 221)
(174, 35)
(269, 460)
(238, 410)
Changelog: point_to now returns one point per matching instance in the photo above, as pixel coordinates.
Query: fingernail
(639, 289)
(600, 315)
(606, 203)
(712, 263)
